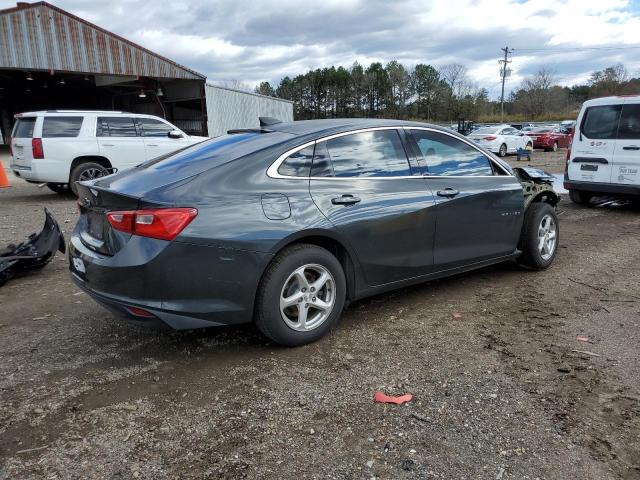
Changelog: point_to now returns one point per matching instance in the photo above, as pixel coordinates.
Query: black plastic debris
(34, 253)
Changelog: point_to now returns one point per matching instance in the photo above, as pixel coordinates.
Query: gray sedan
(285, 224)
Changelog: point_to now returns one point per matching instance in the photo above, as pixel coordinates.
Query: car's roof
(614, 100)
(82, 112)
(338, 125)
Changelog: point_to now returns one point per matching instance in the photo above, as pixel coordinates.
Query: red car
(550, 138)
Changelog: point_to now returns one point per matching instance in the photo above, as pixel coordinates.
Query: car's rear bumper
(182, 285)
(41, 171)
(542, 144)
(611, 188)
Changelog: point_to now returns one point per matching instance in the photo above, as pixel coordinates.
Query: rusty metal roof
(40, 36)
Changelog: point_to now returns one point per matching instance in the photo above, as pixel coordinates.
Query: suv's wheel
(86, 171)
(58, 187)
(503, 150)
(301, 295)
(540, 236)
(581, 198)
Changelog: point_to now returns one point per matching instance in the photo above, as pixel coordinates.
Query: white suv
(61, 147)
(605, 152)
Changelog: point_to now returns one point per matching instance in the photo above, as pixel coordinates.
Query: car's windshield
(542, 130)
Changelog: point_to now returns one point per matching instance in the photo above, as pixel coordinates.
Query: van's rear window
(61, 127)
(24, 127)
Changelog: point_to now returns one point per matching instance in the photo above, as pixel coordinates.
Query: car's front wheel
(301, 295)
(540, 236)
(86, 171)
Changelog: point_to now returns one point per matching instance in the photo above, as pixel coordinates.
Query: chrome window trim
(272, 171)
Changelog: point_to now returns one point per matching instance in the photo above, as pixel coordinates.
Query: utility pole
(503, 73)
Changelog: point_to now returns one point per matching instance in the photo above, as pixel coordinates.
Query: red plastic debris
(583, 338)
(457, 316)
(398, 400)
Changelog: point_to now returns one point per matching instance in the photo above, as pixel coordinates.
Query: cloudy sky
(258, 40)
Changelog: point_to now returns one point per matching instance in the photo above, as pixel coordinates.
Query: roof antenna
(266, 121)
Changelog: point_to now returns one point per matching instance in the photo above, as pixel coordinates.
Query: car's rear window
(55, 127)
(601, 122)
(24, 127)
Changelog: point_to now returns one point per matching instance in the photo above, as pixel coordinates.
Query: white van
(605, 152)
(61, 147)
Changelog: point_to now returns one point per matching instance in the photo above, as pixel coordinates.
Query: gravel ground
(501, 389)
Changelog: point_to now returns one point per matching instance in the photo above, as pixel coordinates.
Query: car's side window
(116, 127)
(376, 153)
(629, 128)
(445, 155)
(56, 127)
(298, 164)
(154, 128)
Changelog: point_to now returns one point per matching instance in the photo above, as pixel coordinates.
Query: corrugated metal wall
(228, 109)
(43, 37)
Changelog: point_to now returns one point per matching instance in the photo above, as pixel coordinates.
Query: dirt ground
(501, 387)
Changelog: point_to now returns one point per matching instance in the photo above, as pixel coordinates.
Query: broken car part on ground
(35, 252)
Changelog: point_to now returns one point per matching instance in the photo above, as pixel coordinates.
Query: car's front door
(156, 137)
(480, 206)
(363, 183)
(119, 141)
(625, 167)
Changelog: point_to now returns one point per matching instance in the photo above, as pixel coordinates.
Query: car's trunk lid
(95, 230)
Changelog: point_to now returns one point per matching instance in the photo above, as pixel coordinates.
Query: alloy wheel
(90, 174)
(547, 237)
(307, 297)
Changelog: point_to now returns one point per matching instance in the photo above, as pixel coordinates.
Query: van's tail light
(160, 223)
(573, 136)
(490, 138)
(36, 148)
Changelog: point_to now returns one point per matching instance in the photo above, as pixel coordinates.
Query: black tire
(579, 197)
(502, 151)
(58, 187)
(268, 315)
(83, 171)
(532, 256)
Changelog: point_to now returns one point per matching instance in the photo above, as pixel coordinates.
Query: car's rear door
(363, 183)
(594, 144)
(119, 140)
(21, 137)
(625, 167)
(480, 206)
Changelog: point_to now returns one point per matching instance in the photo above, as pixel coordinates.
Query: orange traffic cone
(4, 181)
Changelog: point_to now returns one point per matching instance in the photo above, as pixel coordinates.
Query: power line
(573, 49)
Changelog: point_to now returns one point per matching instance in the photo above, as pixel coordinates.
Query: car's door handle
(631, 147)
(448, 192)
(345, 200)
(152, 144)
(107, 144)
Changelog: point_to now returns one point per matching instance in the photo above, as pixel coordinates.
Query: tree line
(433, 94)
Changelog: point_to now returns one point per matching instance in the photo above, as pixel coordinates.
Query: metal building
(228, 109)
(52, 59)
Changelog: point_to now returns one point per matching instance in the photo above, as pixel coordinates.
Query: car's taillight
(160, 223)
(490, 138)
(573, 135)
(36, 148)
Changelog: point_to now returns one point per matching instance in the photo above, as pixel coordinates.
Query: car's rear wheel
(58, 187)
(503, 150)
(301, 295)
(540, 236)
(579, 197)
(86, 171)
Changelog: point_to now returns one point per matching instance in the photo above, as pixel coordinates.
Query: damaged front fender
(537, 185)
(35, 252)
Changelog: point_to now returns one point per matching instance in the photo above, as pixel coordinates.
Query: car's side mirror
(174, 134)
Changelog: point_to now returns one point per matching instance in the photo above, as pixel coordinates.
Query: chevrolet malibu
(285, 224)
